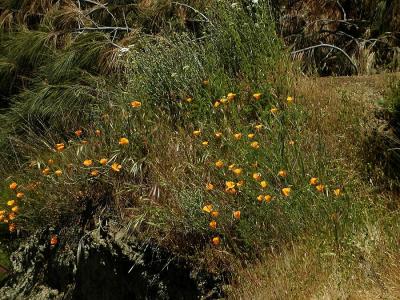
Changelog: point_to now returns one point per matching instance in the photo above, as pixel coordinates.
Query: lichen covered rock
(104, 265)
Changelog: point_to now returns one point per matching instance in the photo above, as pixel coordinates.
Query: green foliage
(178, 78)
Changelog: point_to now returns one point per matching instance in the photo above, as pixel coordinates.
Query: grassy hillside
(365, 266)
(193, 131)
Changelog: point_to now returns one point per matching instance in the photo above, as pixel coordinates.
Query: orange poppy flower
(238, 136)
(94, 173)
(223, 100)
(286, 191)
(103, 161)
(60, 147)
(257, 96)
(216, 240)
(12, 227)
(87, 162)
(136, 104)
(123, 141)
(273, 110)
(258, 127)
(209, 186)
(207, 208)
(79, 132)
(257, 176)
(240, 183)
(219, 164)
(282, 173)
(268, 198)
(116, 167)
(237, 171)
(215, 213)
(53, 240)
(264, 184)
(230, 96)
(12, 216)
(213, 224)
(255, 145)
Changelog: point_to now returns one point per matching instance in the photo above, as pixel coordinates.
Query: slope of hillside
(140, 143)
(342, 109)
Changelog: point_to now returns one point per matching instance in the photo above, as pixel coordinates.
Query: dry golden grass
(340, 110)
(302, 273)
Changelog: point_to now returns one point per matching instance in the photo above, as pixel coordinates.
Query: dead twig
(195, 10)
(104, 28)
(328, 46)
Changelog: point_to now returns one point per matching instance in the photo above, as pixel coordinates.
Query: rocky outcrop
(104, 265)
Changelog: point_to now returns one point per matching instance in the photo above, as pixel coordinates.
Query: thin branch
(79, 7)
(126, 24)
(102, 6)
(344, 12)
(195, 10)
(104, 28)
(328, 46)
